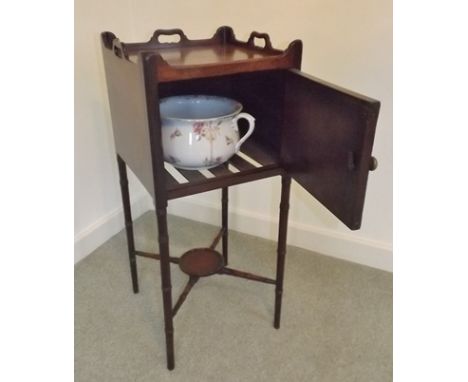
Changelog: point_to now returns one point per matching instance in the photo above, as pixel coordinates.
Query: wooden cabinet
(318, 133)
(306, 129)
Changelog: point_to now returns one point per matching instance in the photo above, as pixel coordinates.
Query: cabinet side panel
(328, 133)
(129, 119)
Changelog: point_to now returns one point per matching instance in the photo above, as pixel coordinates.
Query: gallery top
(219, 55)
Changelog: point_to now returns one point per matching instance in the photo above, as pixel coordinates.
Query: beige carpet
(336, 321)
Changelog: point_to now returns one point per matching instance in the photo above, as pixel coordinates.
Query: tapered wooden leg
(128, 221)
(161, 215)
(224, 218)
(282, 236)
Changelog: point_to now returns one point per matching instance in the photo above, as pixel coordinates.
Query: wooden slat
(192, 175)
(241, 164)
(249, 159)
(221, 170)
(170, 181)
(207, 174)
(232, 168)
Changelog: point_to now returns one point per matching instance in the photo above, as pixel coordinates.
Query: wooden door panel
(327, 139)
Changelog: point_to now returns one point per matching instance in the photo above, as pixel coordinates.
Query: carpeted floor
(336, 319)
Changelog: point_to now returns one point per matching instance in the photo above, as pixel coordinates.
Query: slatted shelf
(251, 163)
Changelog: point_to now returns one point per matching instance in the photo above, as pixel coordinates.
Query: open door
(327, 139)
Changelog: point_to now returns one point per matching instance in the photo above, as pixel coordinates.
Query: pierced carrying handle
(264, 36)
(251, 121)
(118, 48)
(168, 32)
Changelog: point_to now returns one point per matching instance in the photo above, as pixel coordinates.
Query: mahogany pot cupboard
(308, 130)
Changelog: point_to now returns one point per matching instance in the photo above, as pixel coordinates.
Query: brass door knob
(373, 164)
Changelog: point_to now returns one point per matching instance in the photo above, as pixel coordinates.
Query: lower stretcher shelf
(251, 163)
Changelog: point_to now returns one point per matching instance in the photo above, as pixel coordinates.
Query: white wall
(345, 42)
(97, 193)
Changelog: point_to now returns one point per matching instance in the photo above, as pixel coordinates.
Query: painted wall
(97, 194)
(345, 42)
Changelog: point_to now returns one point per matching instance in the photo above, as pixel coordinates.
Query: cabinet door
(327, 139)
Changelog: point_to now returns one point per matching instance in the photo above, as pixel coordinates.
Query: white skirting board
(327, 242)
(107, 226)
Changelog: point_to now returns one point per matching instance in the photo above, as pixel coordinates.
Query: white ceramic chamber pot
(200, 131)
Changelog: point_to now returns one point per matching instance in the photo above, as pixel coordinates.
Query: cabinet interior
(260, 93)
